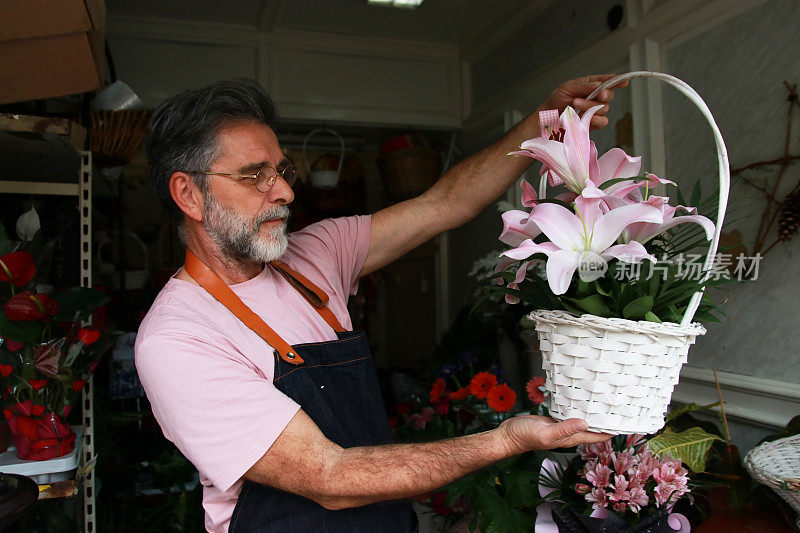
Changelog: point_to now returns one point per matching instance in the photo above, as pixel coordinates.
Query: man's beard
(239, 236)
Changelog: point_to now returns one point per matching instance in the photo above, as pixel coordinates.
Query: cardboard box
(50, 48)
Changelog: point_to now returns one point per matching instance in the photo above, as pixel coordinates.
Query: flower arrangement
(607, 242)
(615, 483)
(502, 495)
(46, 354)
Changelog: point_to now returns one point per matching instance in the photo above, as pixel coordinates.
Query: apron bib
(336, 385)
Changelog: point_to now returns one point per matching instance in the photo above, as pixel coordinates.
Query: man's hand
(574, 92)
(525, 433)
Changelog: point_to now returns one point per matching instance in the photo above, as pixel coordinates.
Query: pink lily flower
(644, 231)
(584, 241)
(571, 161)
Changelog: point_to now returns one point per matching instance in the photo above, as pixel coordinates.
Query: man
(245, 354)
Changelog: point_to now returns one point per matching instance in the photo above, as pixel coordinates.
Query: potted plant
(617, 298)
(626, 484)
(47, 351)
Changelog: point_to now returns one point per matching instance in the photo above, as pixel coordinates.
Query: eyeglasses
(264, 179)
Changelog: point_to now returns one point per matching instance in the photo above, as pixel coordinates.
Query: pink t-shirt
(209, 377)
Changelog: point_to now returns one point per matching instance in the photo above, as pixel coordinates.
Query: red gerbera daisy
(460, 394)
(501, 398)
(481, 383)
(439, 386)
(534, 394)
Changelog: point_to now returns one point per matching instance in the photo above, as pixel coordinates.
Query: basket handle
(724, 169)
(324, 130)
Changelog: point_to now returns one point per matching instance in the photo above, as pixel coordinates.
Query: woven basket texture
(776, 464)
(408, 173)
(616, 374)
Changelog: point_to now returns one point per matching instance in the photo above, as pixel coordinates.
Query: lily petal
(527, 248)
(705, 222)
(517, 226)
(529, 196)
(561, 265)
(633, 252)
(659, 181)
(616, 164)
(577, 148)
(552, 154)
(560, 225)
(608, 228)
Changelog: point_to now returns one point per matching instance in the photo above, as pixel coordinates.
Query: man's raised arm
(474, 183)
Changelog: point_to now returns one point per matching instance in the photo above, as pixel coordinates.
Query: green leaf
(697, 194)
(690, 446)
(594, 304)
(638, 308)
(22, 331)
(521, 488)
(77, 303)
(688, 408)
(652, 317)
(554, 201)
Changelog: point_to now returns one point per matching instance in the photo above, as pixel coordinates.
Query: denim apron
(336, 385)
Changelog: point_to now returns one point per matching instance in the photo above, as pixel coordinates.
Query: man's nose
(280, 192)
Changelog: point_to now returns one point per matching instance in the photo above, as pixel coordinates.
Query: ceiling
(457, 22)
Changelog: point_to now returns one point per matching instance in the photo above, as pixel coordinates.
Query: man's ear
(185, 193)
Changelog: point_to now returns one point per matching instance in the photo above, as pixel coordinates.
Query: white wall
(734, 53)
(311, 76)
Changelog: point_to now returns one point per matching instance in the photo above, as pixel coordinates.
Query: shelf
(43, 188)
(44, 472)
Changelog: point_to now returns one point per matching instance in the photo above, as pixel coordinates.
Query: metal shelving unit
(83, 191)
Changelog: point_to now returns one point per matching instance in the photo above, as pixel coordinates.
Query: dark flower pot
(568, 521)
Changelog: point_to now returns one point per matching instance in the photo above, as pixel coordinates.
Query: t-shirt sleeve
(341, 243)
(220, 413)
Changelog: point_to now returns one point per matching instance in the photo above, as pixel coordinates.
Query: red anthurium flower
(29, 306)
(17, 268)
(438, 388)
(501, 398)
(481, 383)
(78, 385)
(37, 410)
(5, 370)
(7, 413)
(88, 335)
(66, 411)
(37, 383)
(13, 346)
(93, 365)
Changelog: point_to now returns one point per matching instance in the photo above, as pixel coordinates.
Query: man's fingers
(568, 428)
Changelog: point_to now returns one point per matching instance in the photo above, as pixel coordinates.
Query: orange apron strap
(224, 295)
(313, 294)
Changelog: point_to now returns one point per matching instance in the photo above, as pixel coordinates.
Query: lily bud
(28, 224)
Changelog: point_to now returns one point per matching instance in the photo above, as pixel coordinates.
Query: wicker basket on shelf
(619, 374)
(409, 172)
(776, 464)
(115, 136)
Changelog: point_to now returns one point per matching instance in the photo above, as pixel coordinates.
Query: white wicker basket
(776, 464)
(618, 374)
